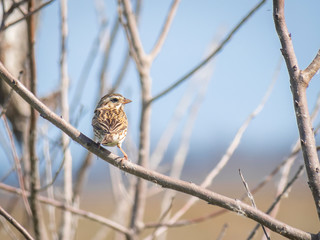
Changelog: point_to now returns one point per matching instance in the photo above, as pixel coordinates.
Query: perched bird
(110, 121)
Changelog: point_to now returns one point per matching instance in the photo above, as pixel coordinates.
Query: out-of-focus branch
(214, 53)
(106, 57)
(16, 224)
(149, 175)
(66, 224)
(79, 212)
(30, 13)
(37, 219)
(226, 157)
(299, 81)
(143, 64)
(165, 29)
(17, 167)
(279, 197)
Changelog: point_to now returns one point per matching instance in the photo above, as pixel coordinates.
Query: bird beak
(126, 100)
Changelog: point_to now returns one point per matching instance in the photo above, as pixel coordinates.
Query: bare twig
(50, 190)
(16, 224)
(278, 198)
(223, 231)
(30, 13)
(149, 175)
(79, 212)
(214, 53)
(66, 224)
(299, 81)
(250, 196)
(106, 57)
(17, 166)
(37, 222)
(165, 29)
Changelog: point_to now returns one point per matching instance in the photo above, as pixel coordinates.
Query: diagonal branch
(16, 224)
(157, 47)
(313, 68)
(206, 195)
(30, 13)
(213, 54)
(85, 214)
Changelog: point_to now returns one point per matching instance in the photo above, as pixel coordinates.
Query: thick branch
(157, 178)
(299, 83)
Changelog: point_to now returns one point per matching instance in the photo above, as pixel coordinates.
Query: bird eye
(114, 100)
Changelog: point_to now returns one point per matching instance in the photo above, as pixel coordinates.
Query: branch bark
(151, 176)
(299, 81)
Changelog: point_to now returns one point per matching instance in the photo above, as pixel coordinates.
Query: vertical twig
(38, 228)
(66, 226)
(278, 198)
(252, 200)
(299, 81)
(17, 167)
(48, 169)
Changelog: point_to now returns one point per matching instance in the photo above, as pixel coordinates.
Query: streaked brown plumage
(110, 121)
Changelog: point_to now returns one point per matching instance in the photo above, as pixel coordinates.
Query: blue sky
(242, 71)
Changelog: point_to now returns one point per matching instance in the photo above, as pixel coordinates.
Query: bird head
(113, 101)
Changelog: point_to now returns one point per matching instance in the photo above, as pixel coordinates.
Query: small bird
(110, 122)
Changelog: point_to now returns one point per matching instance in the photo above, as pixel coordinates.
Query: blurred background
(231, 87)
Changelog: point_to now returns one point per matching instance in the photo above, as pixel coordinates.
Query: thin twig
(79, 212)
(252, 200)
(66, 224)
(278, 198)
(213, 54)
(223, 231)
(165, 29)
(30, 13)
(15, 223)
(17, 166)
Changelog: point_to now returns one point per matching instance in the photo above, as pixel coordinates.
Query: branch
(165, 29)
(15, 223)
(213, 54)
(152, 176)
(299, 81)
(89, 215)
(17, 166)
(312, 69)
(278, 198)
(37, 220)
(66, 224)
(250, 196)
(4, 27)
(132, 32)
